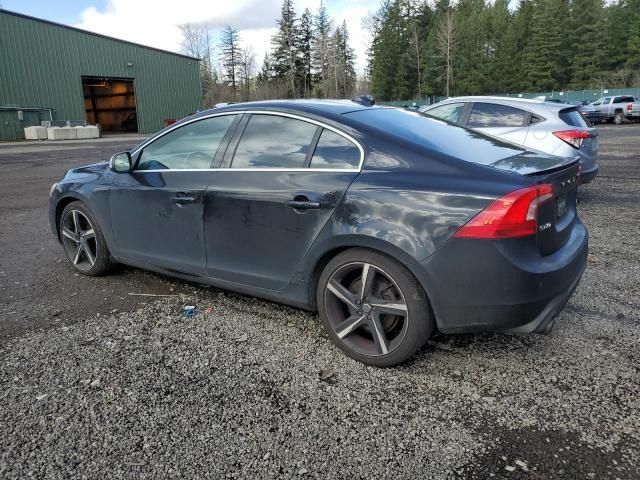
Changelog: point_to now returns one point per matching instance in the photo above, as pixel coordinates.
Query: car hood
(528, 163)
(86, 171)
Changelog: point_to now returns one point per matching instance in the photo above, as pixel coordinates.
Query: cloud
(155, 24)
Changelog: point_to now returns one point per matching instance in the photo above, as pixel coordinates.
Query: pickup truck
(618, 108)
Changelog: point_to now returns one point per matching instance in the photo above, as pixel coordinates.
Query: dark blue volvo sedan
(388, 222)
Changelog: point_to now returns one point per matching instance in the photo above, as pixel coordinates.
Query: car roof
(528, 103)
(316, 106)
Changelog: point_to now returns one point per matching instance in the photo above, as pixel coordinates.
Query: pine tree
(230, 48)
(545, 58)
(285, 55)
(587, 47)
(343, 63)
(323, 26)
(632, 22)
(387, 50)
(433, 62)
(305, 37)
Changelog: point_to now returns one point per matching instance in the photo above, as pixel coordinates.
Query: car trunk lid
(557, 216)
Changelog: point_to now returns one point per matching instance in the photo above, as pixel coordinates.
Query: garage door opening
(111, 103)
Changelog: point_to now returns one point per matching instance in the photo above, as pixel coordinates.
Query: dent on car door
(284, 179)
(502, 121)
(156, 210)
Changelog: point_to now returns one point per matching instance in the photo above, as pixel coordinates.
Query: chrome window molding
(257, 169)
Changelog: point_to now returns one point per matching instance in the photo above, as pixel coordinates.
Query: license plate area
(561, 203)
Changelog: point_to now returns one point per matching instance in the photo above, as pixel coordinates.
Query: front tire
(82, 241)
(373, 308)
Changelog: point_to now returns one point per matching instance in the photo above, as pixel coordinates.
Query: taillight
(573, 137)
(511, 216)
(629, 106)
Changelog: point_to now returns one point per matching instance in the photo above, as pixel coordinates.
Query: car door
(156, 210)
(283, 179)
(605, 106)
(501, 121)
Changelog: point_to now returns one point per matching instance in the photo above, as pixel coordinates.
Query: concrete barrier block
(35, 133)
(95, 131)
(83, 132)
(62, 133)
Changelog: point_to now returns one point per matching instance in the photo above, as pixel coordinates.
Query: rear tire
(83, 242)
(373, 308)
(618, 119)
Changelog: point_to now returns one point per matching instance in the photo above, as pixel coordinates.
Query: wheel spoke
(69, 234)
(88, 234)
(76, 259)
(393, 308)
(368, 274)
(349, 325)
(76, 222)
(90, 256)
(342, 293)
(379, 337)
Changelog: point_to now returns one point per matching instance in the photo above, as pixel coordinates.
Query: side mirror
(121, 162)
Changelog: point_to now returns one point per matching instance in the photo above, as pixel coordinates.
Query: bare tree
(247, 69)
(196, 42)
(446, 44)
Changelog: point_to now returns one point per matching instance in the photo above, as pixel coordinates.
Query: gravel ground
(251, 389)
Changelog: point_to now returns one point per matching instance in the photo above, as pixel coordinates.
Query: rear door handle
(181, 198)
(303, 204)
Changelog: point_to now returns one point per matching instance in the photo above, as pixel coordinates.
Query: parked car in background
(389, 222)
(589, 113)
(549, 127)
(618, 108)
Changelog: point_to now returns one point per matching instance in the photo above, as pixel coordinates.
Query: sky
(155, 22)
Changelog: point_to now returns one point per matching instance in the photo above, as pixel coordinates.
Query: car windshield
(438, 135)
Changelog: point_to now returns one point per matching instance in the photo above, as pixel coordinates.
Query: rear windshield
(572, 117)
(438, 135)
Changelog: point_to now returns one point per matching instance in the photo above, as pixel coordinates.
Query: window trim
(224, 168)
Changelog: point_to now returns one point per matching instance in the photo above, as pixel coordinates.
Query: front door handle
(182, 198)
(300, 204)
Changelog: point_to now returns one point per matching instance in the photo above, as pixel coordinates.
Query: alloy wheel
(366, 308)
(79, 240)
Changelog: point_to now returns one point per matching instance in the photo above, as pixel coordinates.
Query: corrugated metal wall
(41, 65)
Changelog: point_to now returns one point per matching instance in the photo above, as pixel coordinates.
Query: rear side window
(572, 117)
(450, 112)
(272, 141)
(433, 134)
(192, 146)
(623, 99)
(335, 151)
(486, 115)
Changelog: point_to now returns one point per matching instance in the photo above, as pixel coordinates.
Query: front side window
(485, 115)
(273, 141)
(450, 112)
(192, 146)
(335, 151)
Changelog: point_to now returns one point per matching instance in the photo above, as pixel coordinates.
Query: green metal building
(53, 72)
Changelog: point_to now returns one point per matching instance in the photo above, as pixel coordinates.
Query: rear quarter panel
(406, 204)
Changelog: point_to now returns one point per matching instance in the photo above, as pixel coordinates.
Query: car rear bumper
(480, 285)
(587, 175)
